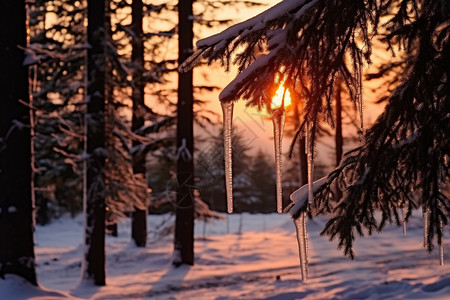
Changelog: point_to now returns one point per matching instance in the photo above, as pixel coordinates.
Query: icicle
(426, 216)
(305, 250)
(441, 246)
(359, 100)
(302, 240)
(278, 119)
(310, 157)
(227, 109)
(361, 103)
(300, 223)
(404, 213)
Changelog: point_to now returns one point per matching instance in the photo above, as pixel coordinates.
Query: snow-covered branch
(300, 196)
(259, 22)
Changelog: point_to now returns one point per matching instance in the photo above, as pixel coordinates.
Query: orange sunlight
(277, 99)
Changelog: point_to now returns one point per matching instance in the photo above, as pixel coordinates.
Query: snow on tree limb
(218, 44)
(260, 63)
(258, 22)
(300, 196)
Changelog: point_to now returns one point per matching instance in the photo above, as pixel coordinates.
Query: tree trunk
(184, 224)
(110, 220)
(95, 145)
(303, 161)
(139, 216)
(16, 207)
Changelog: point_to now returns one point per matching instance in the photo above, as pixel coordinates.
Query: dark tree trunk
(184, 225)
(16, 207)
(139, 216)
(95, 145)
(303, 161)
(110, 220)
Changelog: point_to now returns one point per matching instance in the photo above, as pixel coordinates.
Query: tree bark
(184, 224)
(16, 206)
(139, 216)
(95, 145)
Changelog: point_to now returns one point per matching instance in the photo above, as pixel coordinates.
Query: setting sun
(277, 99)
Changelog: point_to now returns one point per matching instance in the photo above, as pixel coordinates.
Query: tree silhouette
(95, 145)
(184, 224)
(139, 216)
(16, 205)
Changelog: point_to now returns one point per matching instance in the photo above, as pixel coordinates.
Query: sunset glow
(277, 99)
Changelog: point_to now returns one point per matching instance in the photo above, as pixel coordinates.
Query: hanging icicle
(310, 157)
(359, 100)
(227, 109)
(426, 217)
(278, 119)
(303, 199)
(302, 240)
(441, 245)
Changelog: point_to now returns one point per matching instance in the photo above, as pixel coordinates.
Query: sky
(257, 126)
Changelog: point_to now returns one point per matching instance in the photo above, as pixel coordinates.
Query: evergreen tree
(56, 55)
(162, 179)
(58, 50)
(210, 171)
(404, 156)
(263, 182)
(16, 205)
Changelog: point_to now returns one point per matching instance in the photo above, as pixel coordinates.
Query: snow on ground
(245, 257)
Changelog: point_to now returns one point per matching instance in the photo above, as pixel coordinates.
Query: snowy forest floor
(247, 257)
